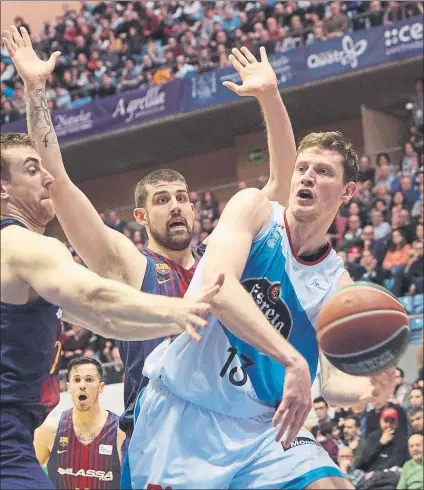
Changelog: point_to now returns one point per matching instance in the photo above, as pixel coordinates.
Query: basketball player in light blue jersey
(214, 412)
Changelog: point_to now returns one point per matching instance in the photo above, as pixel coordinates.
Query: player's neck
(306, 237)
(86, 420)
(184, 258)
(11, 211)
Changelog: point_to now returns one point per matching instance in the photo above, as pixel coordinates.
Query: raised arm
(112, 309)
(228, 249)
(343, 390)
(259, 81)
(104, 250)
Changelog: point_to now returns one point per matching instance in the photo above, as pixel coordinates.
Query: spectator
(385, 447)
(8, 112)
(353, 234)
(381, 228)
(414, 269)
(106, 87)
(416, 420)
(403, 225)
(402, 389)
(396, 259)
(373, 272)
(115, 222)
(326, 429)
(416, 399)
(115, 373)
(378, 248)
(376, 15)
(183, 68)
(413, 470)
(345, 461)
(351, 432)
(373, 416)
(366, 169)
(410, 161)
(409, 192)
(74, 342)
(337, 23)
(321, 410)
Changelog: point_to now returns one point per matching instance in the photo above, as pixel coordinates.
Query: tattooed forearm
(38, 116)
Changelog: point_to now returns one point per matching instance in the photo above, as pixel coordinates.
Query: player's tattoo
(39, 117)
(86, 440)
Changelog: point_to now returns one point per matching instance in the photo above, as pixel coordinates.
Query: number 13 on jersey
(247, 363)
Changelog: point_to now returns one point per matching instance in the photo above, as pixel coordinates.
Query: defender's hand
(33, 71)
(195, 306)
(257, 76)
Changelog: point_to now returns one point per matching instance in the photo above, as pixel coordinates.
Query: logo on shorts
(300, 441)
(63, 441)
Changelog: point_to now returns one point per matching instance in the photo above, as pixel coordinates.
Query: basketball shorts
(19, 468)
(179, 445)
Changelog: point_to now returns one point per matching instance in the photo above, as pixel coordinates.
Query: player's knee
(331, 483)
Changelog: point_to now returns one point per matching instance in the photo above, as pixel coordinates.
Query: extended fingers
(25, 37)
(17, 37)
(240, 57)
(236, 64)
(11, 42)
(249, 56)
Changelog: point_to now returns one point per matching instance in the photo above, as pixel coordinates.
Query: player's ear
(4, 189)
(349, 192)
(67, 386)
(101, 387)
(140, 215)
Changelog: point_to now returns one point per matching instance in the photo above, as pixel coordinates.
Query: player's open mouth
(304, 195)
(177, 223)
(82, 398)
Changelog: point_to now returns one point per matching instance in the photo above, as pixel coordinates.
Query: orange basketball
(363, 329)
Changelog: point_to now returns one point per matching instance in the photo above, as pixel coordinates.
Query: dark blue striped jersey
(85, 466)
(164, 277)
(30, 351)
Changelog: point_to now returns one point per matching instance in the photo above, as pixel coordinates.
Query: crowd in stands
(124, 45)
(377, 446)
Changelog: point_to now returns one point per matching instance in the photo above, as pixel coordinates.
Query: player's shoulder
(21, 244)
(251, 202)
(48, 430)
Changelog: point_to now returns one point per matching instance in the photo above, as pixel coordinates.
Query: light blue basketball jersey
(223, 373)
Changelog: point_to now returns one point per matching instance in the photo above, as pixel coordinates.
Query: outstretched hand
(197, 305)
(33, 71)
(257, 76)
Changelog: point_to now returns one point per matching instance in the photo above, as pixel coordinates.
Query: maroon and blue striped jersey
(94, 466)
(164, 277)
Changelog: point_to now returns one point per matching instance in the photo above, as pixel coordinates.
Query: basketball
(363, 329)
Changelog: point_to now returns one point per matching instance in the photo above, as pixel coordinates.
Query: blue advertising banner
(111, 113)
(347, 54)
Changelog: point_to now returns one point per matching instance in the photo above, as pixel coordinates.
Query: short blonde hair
(334, 141)
(11, 140)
